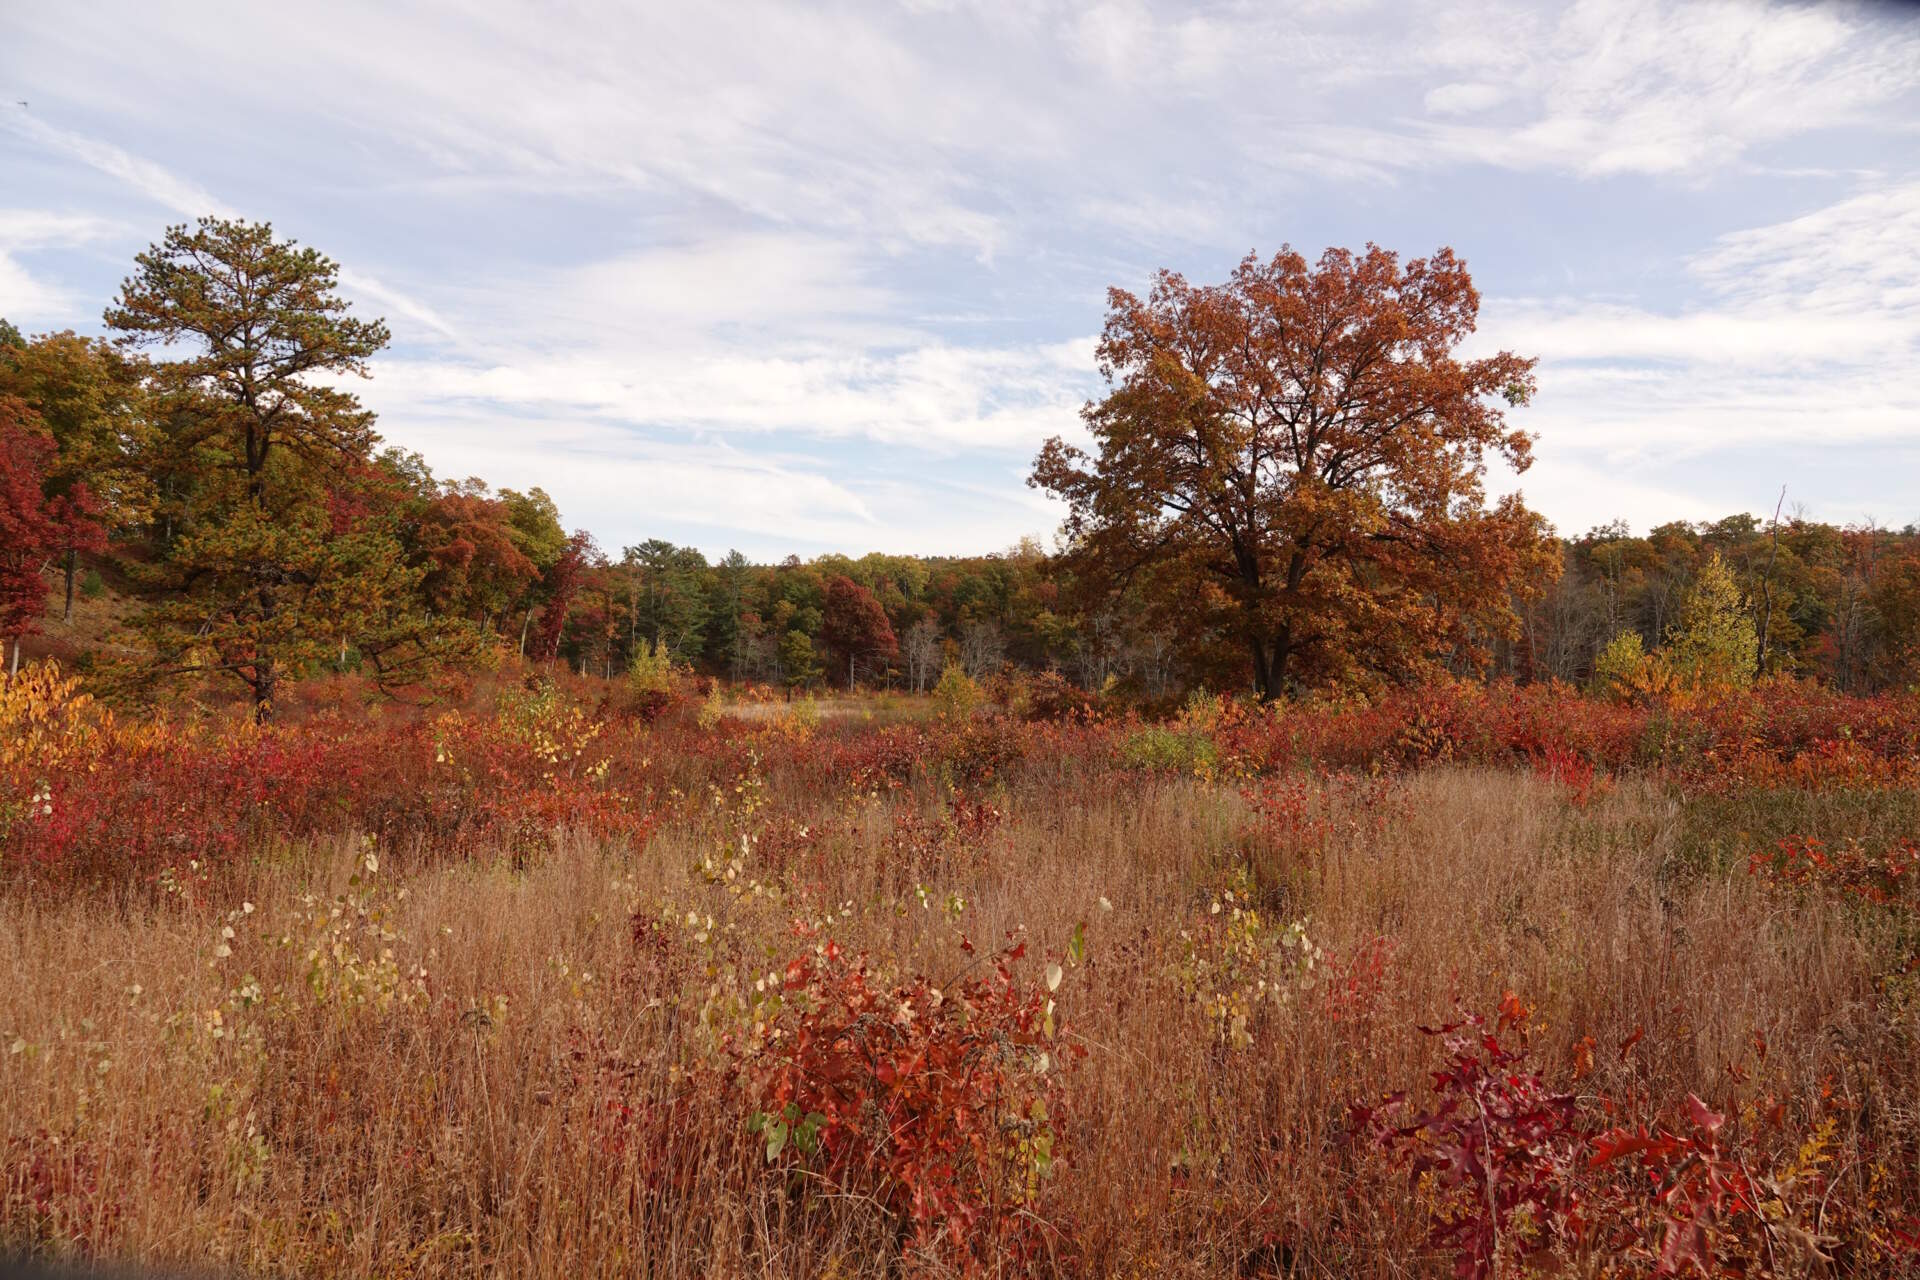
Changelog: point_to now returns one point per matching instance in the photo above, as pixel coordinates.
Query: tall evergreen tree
(261, 583)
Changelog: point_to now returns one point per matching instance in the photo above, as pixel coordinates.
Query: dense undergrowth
(1461, 981)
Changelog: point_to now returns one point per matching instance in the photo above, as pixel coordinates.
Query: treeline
(235, 493)
(1838, 603)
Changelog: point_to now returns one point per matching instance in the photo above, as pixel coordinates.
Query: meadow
(553, 981)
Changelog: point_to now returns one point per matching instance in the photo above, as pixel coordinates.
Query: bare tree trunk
(72, 560)
(1766, 591)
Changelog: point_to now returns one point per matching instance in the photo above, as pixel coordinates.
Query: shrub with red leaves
(1883, 878)
(52, 1195)
(939, 1105)
(1693, 1188)
(1499, 1145)
(1524, 1179)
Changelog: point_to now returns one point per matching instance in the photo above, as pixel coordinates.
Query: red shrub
(1884, 878)
(1499, 1145)
(940, 1106)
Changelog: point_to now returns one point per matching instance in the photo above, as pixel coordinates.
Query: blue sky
(804, 279)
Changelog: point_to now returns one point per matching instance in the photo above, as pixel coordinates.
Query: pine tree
(260, 583)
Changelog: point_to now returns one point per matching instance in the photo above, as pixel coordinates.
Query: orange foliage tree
(1298, 455)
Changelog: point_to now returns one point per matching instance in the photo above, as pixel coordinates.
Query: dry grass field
(1054, 1015)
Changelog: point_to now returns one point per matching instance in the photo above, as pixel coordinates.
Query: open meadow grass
(1448, 985)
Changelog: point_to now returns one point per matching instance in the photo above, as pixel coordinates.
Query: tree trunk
(265, 679)
(1766, 592)
(265, 676)
(1262, 673)
(72, 559)
(1270, 664)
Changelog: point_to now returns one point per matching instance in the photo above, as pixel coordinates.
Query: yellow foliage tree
(1713, 646)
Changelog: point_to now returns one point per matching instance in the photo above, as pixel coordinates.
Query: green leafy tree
(797, 660)
(533, 522)
(956, 695)
(726, 607)
(669, 602)
(650, 671)
(1624, 669)
(256, 587)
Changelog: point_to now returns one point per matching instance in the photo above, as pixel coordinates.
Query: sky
(798, 279)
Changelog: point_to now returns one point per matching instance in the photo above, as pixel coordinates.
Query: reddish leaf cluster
(1883, 878)
(52, 1193)
(1526, 1175)
(1499, 1145)
(35, 527)
(939, 1104)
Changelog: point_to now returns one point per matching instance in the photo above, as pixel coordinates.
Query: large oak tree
(1295, 459)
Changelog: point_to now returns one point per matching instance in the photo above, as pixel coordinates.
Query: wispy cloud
(1808, 334)
(936, 399)
(155, 182)
(864, 244)
(29, 298)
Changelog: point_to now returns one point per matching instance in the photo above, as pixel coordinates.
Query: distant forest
(226, 513)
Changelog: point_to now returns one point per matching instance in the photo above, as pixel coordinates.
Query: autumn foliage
(1314, 869)
(713, 972)
(1297, 454)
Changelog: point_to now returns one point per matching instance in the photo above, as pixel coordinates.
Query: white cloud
(1767, 334)
(813, 232)
(936, 398)
(22, 229)
(1464, 99)
(1636, 86)
(1809, 333)
(1860, 255)
(27, 298)
(366, 287)
(155, 182)
(746, 283)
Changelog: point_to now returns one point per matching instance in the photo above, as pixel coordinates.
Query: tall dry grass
(473, 1069)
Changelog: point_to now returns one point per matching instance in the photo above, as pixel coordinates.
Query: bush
(938, 1107)
(651, 671)
(1050, 696)
(1177, 749)
(956, 695)
(1624, 669)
